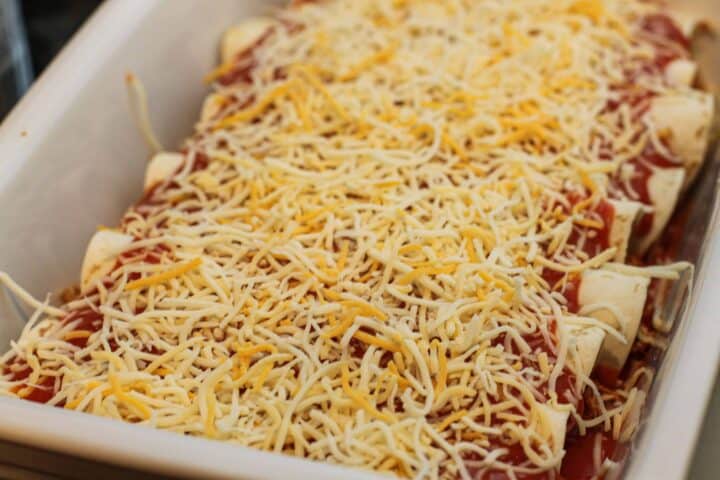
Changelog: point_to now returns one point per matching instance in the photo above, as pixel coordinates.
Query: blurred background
(32, 32)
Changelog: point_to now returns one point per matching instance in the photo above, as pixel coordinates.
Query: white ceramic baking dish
(71, 158)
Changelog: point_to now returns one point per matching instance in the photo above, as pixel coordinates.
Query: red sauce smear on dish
(578, 462)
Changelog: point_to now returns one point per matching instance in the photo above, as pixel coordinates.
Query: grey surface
(706, 463)
(26, 463)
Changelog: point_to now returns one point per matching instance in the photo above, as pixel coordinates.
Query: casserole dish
(73, 188)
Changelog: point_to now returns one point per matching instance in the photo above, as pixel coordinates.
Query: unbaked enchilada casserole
(412, 236)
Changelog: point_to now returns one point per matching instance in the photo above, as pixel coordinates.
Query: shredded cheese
(164, 276)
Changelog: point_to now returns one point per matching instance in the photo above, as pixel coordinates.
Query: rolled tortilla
(626, 214)
(100, 256)
(685, 120)
(553, 425)
(241, 37)
(618, 300)
(161, 167)
(664, 188)
(585, 344)
(681, 72)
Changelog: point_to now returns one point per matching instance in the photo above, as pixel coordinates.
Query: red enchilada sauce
(87, 320)
(578, 463)
(670, 44)
(582, 451)
(595, 240)
(41, 393)
(568, 285)
(638, 188)
(592, 242)
(674, 43)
